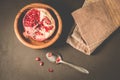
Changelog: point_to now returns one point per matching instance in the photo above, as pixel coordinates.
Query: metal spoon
(58, 59)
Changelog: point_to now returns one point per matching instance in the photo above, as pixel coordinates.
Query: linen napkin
(88, 2)
(95, 22)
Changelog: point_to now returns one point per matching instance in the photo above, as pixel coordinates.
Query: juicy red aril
(38, 33)
(47, 21)
(47, 28)
(58, 59)
(49, 54)
(50, 70)
(41, 63)
(37, 59)
(32, 18)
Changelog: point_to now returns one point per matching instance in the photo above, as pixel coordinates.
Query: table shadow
(106, 41)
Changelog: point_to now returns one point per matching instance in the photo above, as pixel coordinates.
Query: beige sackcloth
(95, 22)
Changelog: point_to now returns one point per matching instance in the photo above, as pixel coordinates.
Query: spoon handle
(81, 69)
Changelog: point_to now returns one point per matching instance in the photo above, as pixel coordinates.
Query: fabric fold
(94, 23)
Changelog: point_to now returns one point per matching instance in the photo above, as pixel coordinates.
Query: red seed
(41, 63)
(47, 20)
(50, 70)
(37, 59)
(49, 54)
(58, 60)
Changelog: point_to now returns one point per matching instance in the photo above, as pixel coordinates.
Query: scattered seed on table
(50, 70)
(37, 59)
(41, 63)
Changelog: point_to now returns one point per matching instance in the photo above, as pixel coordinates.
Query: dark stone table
(17, 62)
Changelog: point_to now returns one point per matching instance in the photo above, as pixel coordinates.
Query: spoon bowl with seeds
(58, 59)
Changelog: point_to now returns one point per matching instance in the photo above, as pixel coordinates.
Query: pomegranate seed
(49, 54)
(58, 60)
(48, 28)
(41, 63)
(50, 70)
(47, 20)
(37, 59)
(31, 17)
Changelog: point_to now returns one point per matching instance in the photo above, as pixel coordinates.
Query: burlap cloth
(95, 21)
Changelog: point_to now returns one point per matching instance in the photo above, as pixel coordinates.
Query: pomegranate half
(38, 24)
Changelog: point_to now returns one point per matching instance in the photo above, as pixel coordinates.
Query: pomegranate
(38, 24)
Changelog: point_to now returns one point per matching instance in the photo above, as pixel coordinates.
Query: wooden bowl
(19, 29)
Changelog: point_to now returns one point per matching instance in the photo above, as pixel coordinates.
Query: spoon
(58, 59)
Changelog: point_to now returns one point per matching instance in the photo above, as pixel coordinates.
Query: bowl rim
(53, 40)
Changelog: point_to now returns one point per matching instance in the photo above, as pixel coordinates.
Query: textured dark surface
(17, 62)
